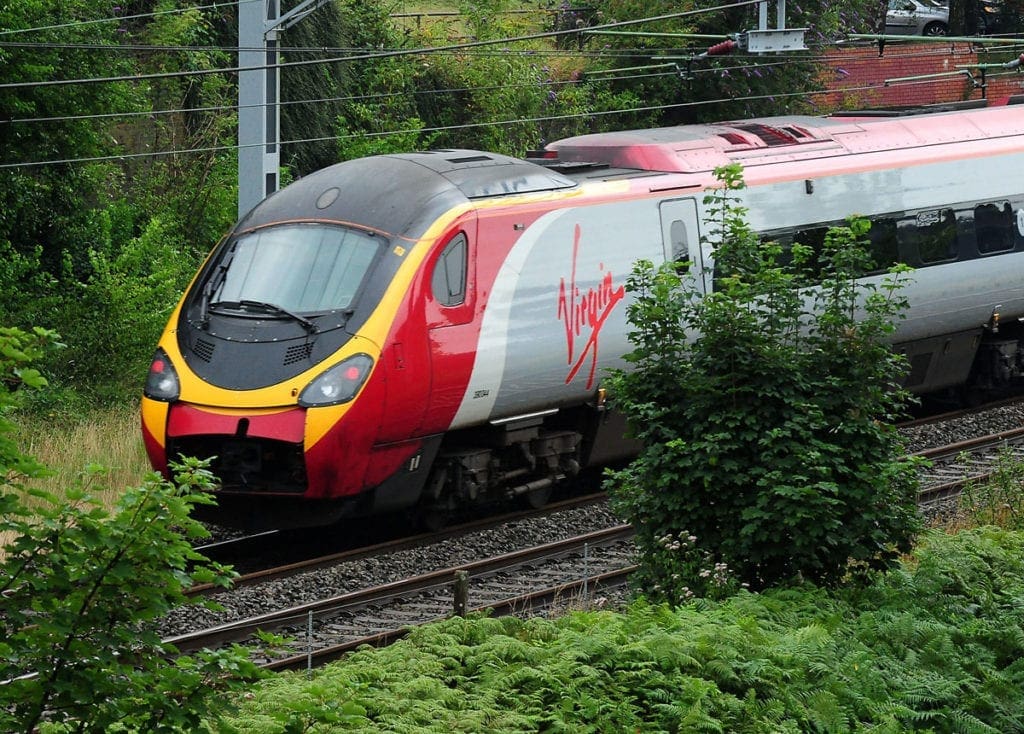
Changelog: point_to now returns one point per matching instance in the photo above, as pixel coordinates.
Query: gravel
(972, 425)
(310, 586)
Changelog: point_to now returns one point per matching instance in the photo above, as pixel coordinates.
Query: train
(422, 332)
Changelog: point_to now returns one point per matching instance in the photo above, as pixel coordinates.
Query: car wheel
(935, 28)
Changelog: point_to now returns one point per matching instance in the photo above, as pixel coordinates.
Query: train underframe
(522, 460)
(968, 367)
(526, 458)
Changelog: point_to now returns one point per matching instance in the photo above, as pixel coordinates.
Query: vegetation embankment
(934, 645)
(781, 469)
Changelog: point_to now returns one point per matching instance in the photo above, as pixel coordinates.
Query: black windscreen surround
(275, 301)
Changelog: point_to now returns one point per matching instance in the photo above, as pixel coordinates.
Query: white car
(917, 18)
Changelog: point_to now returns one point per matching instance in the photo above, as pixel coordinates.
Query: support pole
(461, 601)
(259, 87)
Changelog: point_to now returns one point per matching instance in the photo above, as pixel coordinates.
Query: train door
(681, 239)
(451, 328)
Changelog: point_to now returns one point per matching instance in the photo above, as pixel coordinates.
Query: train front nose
(252, 451)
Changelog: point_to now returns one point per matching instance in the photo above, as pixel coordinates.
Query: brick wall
(858, 76)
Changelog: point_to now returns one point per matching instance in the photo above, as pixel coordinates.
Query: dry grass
(110, 438)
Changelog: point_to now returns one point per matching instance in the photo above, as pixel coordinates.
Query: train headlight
(339, 384)
(162, 381)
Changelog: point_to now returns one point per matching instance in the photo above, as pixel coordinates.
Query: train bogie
(430, 330)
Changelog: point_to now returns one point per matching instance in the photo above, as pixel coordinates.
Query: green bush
(765, 408)
(79, 586)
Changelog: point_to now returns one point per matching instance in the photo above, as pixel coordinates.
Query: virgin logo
(583, 313)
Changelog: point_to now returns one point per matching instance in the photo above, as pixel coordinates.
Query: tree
(766, 413)
(79, 586)
(732, 86)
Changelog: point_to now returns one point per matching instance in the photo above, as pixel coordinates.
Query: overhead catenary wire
(444, 128)
(609, 76)
(121, 18)
(366, 56)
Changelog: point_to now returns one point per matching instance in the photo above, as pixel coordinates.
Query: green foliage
(124, 304)
(79, 585)
(19, 349)
(999, 498)
(730, 86)
(105, 267)
(365, 122)
(323, 101)
(48, 206)
(936, 646)
(765, 408)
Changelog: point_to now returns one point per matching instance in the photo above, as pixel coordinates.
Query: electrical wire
(389, 95)
(120, 18)
(365, 56)
(751, 68)
(450, 128)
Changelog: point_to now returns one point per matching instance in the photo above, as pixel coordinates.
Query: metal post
(258, 94)
(586, 572)
(309, 645)
(461, 593)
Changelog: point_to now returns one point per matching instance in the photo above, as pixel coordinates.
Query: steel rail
(241, 629)
(531, 602)
(391, 546)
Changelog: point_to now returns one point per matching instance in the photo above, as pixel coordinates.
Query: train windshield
(302, 268)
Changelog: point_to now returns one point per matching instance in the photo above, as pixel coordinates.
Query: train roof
(402, 193)
(702, 148)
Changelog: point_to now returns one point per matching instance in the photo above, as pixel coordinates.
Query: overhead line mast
(259, 83)
(259, 93)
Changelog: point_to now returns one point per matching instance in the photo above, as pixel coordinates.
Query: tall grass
(69, 446)
(109, 437)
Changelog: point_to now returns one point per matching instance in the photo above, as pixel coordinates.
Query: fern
(793, 660)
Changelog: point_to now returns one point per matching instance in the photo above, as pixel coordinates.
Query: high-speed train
(420, 331)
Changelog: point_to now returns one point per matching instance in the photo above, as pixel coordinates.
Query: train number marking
(583, 314)
(481, 394)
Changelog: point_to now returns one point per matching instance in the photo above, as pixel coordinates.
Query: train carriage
(420, 331)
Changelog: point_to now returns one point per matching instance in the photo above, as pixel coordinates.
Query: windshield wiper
(308, 325)
(212, 285)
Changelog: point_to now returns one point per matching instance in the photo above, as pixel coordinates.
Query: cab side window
(680, 242)
(449, 278)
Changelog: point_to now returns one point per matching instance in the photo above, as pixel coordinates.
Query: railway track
(973, 461)
(577, 570)
(572, 571)
(252, 547)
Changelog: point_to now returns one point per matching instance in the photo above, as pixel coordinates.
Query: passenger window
(884, 248)
(449, 278)
(933, 233)
(994, 227)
